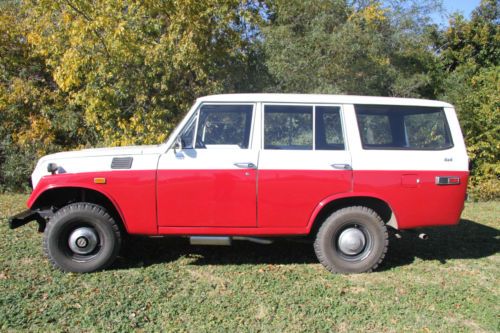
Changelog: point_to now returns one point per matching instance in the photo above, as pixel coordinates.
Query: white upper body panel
(147, 157)
(98, 159)
(111, 151)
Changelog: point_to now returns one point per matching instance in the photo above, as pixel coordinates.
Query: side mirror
(177, 144)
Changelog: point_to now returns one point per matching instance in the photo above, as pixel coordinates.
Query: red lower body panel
(263, 203)
(207, 198)
(414, 196)
(132, 192)
(287, 198)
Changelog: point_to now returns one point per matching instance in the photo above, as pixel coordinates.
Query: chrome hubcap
(83, 240)
(351, 241)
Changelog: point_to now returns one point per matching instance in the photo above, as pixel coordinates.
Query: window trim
(369, 147)
(194, 117)
(313, 105)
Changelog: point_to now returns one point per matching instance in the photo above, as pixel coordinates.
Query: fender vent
(121, 162)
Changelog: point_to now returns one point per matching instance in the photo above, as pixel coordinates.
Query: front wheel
(81, 238)
(352, 240)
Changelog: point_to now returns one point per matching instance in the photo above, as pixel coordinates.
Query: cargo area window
(403, 127)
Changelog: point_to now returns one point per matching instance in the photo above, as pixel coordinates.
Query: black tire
(92, 218)
(364, 224)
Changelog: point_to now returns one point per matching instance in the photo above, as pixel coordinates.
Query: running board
(224, 240)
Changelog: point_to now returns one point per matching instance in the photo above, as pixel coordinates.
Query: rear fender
(391, 220)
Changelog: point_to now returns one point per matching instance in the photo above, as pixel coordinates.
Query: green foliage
(33, 112)
(334, 47)
(477, 100)
(135, 67)
(470, 52)
(77, 73)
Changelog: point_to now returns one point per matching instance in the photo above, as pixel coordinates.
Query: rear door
(304, 159)
(211, 181)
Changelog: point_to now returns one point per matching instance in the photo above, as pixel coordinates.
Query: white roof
(327, 99)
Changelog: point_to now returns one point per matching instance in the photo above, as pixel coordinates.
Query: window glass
(288, 127)
(427, 130)
(329, 128)
(224, 125)
(403, 127)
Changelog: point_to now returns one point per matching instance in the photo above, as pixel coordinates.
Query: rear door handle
(342, 166)
(246, 165)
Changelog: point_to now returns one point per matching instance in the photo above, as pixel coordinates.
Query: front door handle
(342, 166)
(246, 165)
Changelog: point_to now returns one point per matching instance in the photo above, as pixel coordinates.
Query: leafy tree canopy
(77, 73)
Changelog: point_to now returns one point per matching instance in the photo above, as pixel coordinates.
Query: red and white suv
(259, 166)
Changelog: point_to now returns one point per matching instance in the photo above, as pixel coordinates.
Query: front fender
(132, 193)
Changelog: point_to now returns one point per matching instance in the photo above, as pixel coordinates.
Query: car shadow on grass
(467, 240)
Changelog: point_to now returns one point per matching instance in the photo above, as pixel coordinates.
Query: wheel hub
(83, 240)
(351, 241)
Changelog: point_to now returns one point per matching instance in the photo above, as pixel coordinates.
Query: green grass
(449, 283)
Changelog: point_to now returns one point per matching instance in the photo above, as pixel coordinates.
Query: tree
(135, 67)
(360, 47)
(470, 54)
(35, 119)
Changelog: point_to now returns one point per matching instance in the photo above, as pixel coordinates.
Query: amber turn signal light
(100, 180)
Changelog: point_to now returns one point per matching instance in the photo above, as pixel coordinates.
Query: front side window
(224, 125)
(219, 126)
(403, 127)
(288, 127)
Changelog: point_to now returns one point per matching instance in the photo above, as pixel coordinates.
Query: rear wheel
(352, 240)
(82, 238)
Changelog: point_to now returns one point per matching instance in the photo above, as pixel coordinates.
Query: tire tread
(71, 208)
(357, 209)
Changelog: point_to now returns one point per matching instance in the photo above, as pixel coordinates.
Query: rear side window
(403, 127)
(303, 127)
(288, 127)
(328, 128)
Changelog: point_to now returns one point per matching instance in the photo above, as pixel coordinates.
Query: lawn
(449, 283)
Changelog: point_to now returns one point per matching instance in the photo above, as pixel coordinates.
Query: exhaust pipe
(423, 236)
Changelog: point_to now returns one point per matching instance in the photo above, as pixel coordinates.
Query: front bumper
(25, 217)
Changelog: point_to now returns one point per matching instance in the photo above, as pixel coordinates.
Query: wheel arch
(54, 198)
(336, 202)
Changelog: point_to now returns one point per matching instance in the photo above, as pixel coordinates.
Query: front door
(211, 181)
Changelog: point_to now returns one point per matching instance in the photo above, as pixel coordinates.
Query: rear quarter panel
(406, 178)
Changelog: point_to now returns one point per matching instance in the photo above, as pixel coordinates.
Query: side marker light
(100, 180)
